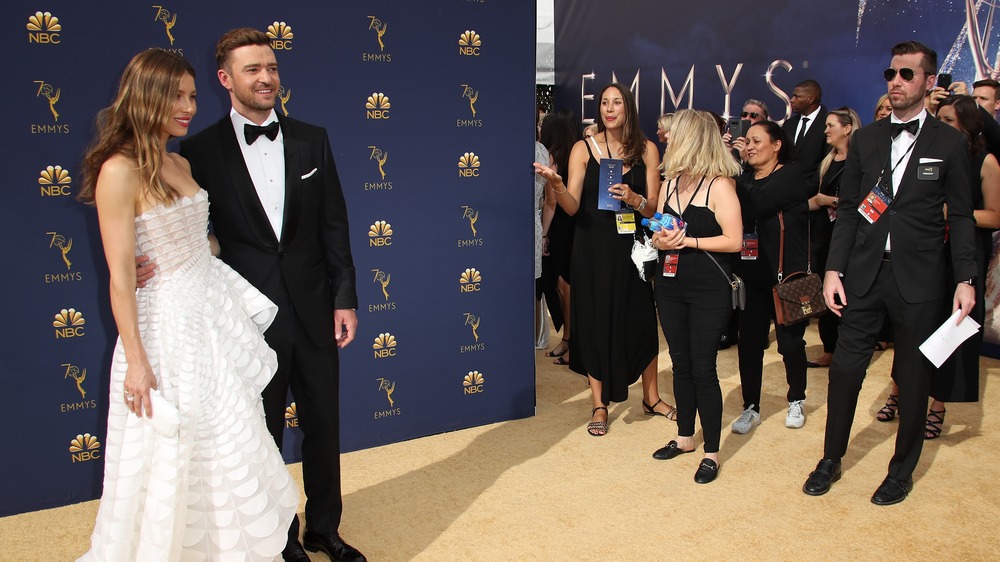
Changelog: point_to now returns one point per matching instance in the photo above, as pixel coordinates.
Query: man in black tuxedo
(807, 130)
(891, 260)
(281, 221)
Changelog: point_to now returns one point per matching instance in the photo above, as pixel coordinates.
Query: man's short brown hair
(234, 39)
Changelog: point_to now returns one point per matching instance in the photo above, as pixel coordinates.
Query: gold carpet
(543, 489)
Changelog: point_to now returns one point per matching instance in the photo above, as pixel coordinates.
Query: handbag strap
(781, 246)
(729, 279)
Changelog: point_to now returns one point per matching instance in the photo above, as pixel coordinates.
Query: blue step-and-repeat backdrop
(430, 109)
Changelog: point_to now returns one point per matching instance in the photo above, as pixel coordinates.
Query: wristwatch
(970, 281)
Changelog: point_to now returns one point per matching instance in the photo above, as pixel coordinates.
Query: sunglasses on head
(750, 114)
(906, 73)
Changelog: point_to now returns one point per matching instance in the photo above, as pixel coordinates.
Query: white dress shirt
(265, 160)
(900, 156)
(803, 126)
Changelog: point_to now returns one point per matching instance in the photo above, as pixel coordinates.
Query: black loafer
(707, 471)
(670, 451)
(333, 546)
(827, 472)
(892, 491)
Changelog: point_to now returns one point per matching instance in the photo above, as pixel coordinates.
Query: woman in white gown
(191, 472)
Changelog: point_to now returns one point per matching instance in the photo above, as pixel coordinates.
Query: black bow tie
(253, 131)
(911, 127)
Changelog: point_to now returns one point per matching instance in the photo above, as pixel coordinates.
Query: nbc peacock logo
(468, 165)
(473, 383)
(380, 234)
(469, 43)
(377, 106)
(470, 281)
(54, 181)
(280, 34)
(84, 448)
(69, 324)
(291, 416)
(384, 346)
(44, 28)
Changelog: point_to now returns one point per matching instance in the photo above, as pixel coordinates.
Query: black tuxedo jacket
(915, 218)
(811, 150)
(311, 262)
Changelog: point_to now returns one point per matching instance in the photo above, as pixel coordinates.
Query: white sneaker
(796, 417)
(747, 420)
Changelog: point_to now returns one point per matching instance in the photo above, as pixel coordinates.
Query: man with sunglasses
(887, 256)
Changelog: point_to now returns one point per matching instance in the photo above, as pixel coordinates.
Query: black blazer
(915, 218)
(311, 263)
(811, 150)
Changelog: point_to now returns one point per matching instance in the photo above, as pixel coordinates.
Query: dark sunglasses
(750, 114)
(906, 73)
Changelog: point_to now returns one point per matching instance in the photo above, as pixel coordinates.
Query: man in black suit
(887, 256)
(807, 130)
(281, 221)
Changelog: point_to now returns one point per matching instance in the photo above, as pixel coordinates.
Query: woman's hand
(550, 175)
(740, 144)
(669, 239)
(625, 194)
(139, 380)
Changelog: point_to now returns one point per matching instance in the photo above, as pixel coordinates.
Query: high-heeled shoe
(888, 412)
(651, 410)
(932, 427)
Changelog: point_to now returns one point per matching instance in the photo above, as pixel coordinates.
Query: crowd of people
(887, 214)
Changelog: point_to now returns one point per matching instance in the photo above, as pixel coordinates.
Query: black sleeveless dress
(612, 316)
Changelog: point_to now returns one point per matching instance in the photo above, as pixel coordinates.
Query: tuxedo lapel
(243, 184)
(293, 181)
(925, 139)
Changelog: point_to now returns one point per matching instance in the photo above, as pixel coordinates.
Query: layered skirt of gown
(213, 486)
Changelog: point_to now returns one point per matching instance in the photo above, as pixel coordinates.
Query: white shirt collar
(239, 121)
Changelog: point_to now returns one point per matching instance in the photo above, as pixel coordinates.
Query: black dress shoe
(670, 451)
(333, 546)
(725, 342)
(707, 471)
(892, 491)
(293, 552)
(827, 472)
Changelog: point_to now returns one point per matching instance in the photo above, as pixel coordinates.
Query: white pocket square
(930, 160)
(314, 171)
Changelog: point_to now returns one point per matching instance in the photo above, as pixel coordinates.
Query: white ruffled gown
(217, 487)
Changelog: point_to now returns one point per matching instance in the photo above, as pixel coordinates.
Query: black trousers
(755, 325)
(859, 327)
(829, 325)
(693, 319)
(313, 373)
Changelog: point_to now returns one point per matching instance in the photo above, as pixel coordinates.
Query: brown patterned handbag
(798, 296)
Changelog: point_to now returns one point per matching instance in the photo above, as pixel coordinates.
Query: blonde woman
(840, 126)
(693, 294)
(191, 360)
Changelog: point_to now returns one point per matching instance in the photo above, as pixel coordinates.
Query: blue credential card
(611, 174)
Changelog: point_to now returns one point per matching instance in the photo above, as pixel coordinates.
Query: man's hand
(965, 299)
(345, 325)
(832, 288)
(144, 271)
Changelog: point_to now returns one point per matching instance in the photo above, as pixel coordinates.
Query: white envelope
(931, 160)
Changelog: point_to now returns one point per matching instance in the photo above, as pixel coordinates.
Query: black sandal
(932, 427)
(598, 428)
(888, 412)
(553, 354)
(651, 410)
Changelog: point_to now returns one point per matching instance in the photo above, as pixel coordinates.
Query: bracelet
(565, 189)
(641, 205)
(697, 244)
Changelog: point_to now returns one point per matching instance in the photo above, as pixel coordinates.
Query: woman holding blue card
(610, 181)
